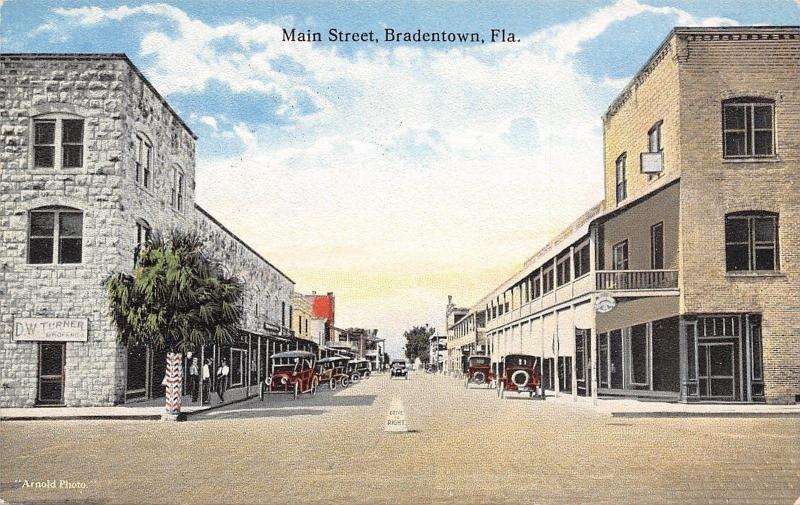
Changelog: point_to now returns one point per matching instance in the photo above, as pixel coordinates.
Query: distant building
(438, 351)
(324, 307)
(300, 316)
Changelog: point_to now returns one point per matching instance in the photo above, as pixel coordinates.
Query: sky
(393, 174)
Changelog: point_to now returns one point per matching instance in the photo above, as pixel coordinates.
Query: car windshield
(479, 361)
(520, 361)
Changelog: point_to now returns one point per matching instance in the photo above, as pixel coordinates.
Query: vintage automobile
(518, 373)
(333, 371)
(398, 368)
(291, 372)
(358, 369)
(479, 371)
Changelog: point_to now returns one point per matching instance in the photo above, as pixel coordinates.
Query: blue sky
(390, 174)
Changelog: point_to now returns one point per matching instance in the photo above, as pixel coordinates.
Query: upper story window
(178, 185)
(537, 286)
(654, 138)
(563, 270)
(751, 241)
(747, 127)
(620, 256)
(144, 161)
(657, 246)
(143, 233)
(57, 142)
(622, 181)
(547, 280)
(55, 236)
(582, 261)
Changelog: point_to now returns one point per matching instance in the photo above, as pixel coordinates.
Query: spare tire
(520, 378)
(478, 377)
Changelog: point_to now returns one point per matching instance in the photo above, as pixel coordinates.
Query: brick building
(684, 283)
(94, 160)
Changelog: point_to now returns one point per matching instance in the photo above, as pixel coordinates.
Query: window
(582, 261)
(55, 235)
(57, 142)
(654, 138)
(751, 241)
(622, 182)
(526, 289)
(747, 127)
(657, 246)
(177, 189)
(144, 161)
(142, 236)
(283, 313)
(537, 286)
(620, 258)
(547, 280)
(563, 270)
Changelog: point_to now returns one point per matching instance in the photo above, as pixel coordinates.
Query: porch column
(249, 361)
(574, 361)
(258, 363)
(593, 263)
(556, 351)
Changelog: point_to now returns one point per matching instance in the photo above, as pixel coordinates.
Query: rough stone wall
(99, 90)
(764, 63)
(267, 290)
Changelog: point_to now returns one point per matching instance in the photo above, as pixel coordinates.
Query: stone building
(94, 160)
(684, 283)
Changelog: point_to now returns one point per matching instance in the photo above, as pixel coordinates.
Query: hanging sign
(604, 303)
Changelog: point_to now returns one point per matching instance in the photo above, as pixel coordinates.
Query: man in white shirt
(206, 382)
(222, 379)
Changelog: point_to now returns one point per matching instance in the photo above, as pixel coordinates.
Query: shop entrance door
(583, 355)
(716, 370)
(51, 373)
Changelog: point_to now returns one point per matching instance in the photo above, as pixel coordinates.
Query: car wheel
(502, 393)
(355, 377)
(314, 386)
(296, 389)
(332, 384)
(466, 383)
(345, 382)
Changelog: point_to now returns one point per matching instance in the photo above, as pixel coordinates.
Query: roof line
(245, 244)
(104, 56)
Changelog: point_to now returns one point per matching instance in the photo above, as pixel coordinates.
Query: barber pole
(174, 382)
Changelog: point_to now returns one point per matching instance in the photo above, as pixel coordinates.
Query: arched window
(751, 241)
(748, 127)
(57, 141)
(55, 235)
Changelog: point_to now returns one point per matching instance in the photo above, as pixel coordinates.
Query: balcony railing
(623, 280)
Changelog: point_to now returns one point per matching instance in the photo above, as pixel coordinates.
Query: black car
(398, 368)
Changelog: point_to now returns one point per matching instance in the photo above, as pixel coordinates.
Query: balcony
(637, 280)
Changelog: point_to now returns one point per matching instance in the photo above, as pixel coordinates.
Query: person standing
(207, 382)
(194, 379)
(222, 379)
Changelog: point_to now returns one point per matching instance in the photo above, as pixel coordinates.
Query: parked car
(333, 371)
(519, 373)
(479, 371)
(291, 372)
(399, 368)
(358, 369)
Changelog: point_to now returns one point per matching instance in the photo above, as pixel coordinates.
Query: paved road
(467, 447)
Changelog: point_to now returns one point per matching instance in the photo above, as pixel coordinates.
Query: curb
(704, 414)
(184, 416)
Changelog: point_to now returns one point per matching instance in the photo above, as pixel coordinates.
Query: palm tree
(176, 299)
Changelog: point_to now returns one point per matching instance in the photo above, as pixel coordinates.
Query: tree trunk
(174, 382)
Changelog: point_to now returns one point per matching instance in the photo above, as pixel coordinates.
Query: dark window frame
(752, 244)
(61, 148)
(616, 261)
(657, 253)
(56, 239)
(748, 128)
(582, 261)
(621, 178)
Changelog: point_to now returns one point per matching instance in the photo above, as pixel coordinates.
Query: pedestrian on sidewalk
(222, 379)
(207, 382)
(194, 379)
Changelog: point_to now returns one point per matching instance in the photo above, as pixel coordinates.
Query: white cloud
(408, 172)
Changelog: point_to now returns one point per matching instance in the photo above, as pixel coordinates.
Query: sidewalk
(149, 410)
(629, 407)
